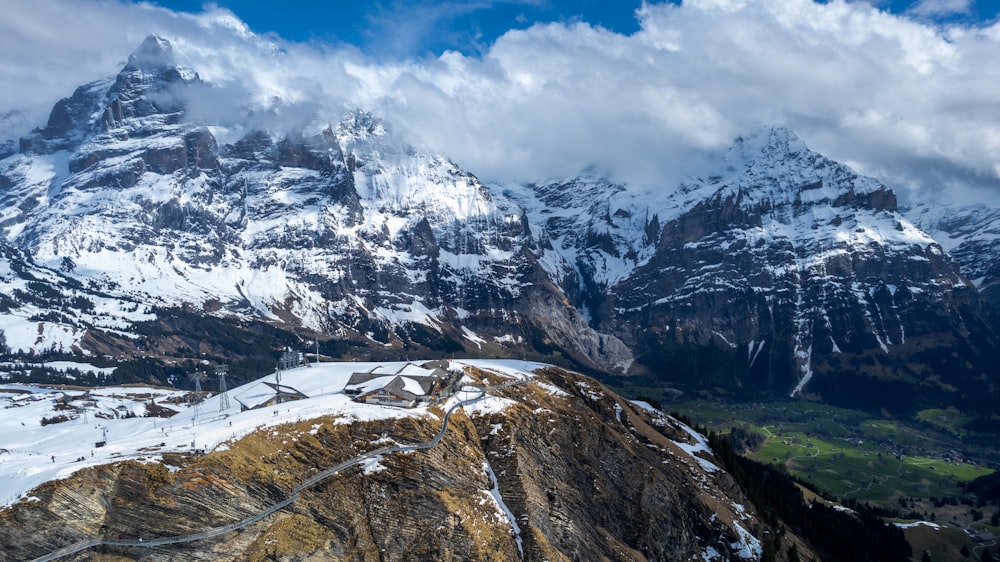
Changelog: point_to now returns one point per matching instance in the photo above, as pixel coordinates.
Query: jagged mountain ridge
(792, 267)
(554, 468)
(969, 233)
(788, 264)
(347, 231)
(803, 267)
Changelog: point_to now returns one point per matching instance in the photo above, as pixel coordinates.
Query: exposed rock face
(802, 268)
(617, 447)
(346, 230)
(969, 233)
(786, 273)
(565, 326)
(69, 119)
(585, 474)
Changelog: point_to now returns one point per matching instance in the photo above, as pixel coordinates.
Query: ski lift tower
(196, 377)
(221, 371)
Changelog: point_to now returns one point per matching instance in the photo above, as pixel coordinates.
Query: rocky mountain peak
(773, 170)
(155, 53)
(362, 125)
(763, 143)
(150, 84)
(781, 254)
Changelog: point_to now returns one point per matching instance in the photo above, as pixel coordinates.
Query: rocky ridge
(969, 234)
(802, 268)
(785, 272)
(584, 474)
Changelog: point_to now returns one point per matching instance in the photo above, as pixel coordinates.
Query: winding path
(217, 531)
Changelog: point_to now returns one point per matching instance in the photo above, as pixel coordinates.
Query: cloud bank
(901, 99)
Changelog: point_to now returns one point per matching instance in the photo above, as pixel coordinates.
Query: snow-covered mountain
(45, 310)
(345, 231)
(783, 272)
(971, 235)
(803, 268)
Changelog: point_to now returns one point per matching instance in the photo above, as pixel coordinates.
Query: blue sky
(525, 90)
(416, 28)
(402, 28)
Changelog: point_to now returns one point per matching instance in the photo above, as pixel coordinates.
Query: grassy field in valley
(846, 453)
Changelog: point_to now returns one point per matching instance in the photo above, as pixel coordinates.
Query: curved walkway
(140, 543)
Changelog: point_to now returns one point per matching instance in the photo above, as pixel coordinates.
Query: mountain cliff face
(346, 231)
(811, 277)
(784, 273)
(555, 469)
(969, 233)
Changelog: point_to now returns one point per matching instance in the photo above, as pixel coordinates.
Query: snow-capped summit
(146, 95)
(789, 257)
(773, 166)
(794, 271)
(762, 143)
(154, 54)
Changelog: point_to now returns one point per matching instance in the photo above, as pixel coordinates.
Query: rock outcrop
(556, 469)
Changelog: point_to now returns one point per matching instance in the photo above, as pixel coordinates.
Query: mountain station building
(404, 387)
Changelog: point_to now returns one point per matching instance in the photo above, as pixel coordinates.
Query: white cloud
(906, 101)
